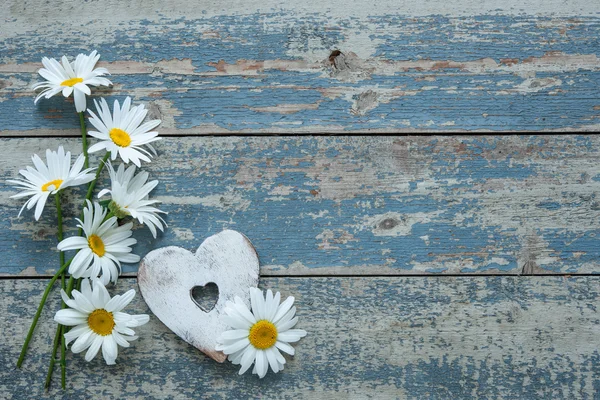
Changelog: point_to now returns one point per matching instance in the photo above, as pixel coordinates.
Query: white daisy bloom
(98, 321)
(258, 335)
(44, 180)
(129, 196)
(104, 247)
(71, 77)
(123, 133)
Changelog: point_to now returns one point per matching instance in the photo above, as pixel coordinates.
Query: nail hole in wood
(206, 296)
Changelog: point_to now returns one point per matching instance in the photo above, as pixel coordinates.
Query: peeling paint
(535, 73)
(478, 200)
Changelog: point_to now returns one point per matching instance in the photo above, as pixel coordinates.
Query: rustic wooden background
(458, 264)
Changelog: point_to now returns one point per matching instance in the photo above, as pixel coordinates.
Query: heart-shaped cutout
(167, 278)
(205, 296)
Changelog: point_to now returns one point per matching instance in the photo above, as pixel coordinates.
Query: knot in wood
(388, 223)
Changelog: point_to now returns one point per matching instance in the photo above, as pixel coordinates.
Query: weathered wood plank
(385, 338)
(356, 205)
(114, 12)
(449, 66)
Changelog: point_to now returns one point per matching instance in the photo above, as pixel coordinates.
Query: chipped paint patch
(219, 201)
(184, 234)
(286, 108)
(331, 239)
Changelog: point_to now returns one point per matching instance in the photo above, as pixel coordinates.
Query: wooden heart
(167, 276)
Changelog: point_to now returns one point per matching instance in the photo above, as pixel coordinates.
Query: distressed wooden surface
(383, 338)
(168, 276)
(326, 212)
(355, 205)
(266, 67)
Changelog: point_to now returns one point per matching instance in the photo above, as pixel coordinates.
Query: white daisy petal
(280, 358)
(94, 347)
(80, 103)
(247, 359)
(120, 339)
(84, 341)
(237, 346)
(118, 303)
(234, 334)
(291, 336)
(72, 243)
(69, 317)
(288, 316)
(138, 320)
(236, 358)
(285, 348)
(124, 330)
(286, 325)
(86, 288)
(100, 295)
(257, 303)
(283, 308)
(83, 304)
(109, 350)
(236, 323)
(76, 332)
(270, 353)
(262, 364)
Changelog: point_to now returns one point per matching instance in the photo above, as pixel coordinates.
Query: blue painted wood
(446, 338)
(355, 205)
(491, 72)
(324, 206)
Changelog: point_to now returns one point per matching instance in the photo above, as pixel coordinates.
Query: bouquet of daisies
(90, 318)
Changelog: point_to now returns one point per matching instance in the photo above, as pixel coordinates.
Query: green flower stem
(90, 191)
(36, 317)
(88, 196)
(59, 233)
(63, 358)
(84, 143)
(53, 358)
(61, 329)
(58, 337)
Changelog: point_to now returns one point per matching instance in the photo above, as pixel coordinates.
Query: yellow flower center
(101, 322)
(263, 334)
(97, 245)
(120, 137)
(71, 82)
(56, 183)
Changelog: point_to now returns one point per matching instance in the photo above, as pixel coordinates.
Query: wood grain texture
(227, 68)
(355, 205)
(384, 338)
(167, 277)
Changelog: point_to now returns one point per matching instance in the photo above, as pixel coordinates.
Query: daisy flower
(258, 335)
(71, 78)
(121, 132)
(103, 248)
(46, 179)
(98, 321)
(129, 196)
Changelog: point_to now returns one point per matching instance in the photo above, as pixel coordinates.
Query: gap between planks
(357, 133)
(417, 276)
